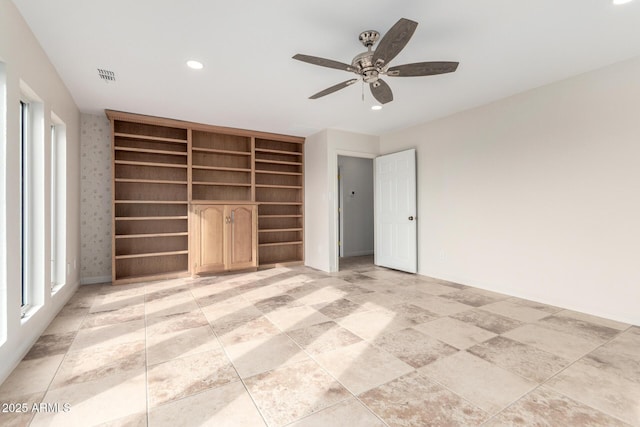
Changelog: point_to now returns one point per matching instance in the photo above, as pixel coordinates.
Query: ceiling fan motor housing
(364, 66)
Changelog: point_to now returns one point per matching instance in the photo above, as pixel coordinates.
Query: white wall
(321, 189)
(95, 205)
(356, 176)
(25, 60)
(537, 195)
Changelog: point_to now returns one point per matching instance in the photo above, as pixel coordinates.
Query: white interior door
(396, 242)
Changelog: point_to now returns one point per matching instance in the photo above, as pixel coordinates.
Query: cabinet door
(242, 237)
(209, 238)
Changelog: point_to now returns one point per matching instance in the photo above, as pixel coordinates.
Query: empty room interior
(363, 214)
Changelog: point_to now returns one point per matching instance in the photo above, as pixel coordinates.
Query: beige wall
(537, 195)
(24, 60)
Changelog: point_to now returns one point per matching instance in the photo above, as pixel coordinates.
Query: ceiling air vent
(106, 75)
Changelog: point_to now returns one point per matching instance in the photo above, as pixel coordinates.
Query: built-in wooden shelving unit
(161, 167)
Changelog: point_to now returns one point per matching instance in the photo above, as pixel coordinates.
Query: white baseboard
(94, 280)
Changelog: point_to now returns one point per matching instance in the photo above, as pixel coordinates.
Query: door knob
(411, 218)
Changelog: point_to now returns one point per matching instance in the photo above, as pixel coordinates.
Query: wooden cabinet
(163, 169)
(223, 237)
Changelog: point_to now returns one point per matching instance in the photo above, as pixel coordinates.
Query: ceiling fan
(372, 64)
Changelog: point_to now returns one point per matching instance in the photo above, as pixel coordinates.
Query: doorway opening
(355, 210)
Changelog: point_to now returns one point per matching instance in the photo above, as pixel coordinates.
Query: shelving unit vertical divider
(113, 201)
(253, 169)
(189, 197)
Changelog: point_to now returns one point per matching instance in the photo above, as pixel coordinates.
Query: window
(24, 204)
(58, 185)
(32, 201)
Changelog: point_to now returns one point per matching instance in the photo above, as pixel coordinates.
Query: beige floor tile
(63, 324)
(159, 325)
(257, 356)
(111, 302)
(120, 315)
(522, 359)
(472, 297)
(614, 362)
(225, 406)
(109, 335)
(18, 411)
(323, 337)
(413, 400)
(414, 314)
(135, 420)
(627, 343)
(260, 327)
(545, 407)
(50, 345)
(321, 294)
(100, 401)
(184, 342)
(96, 363)
(349, 413)
(182, 303)
(480, 382)
(270, 304)
(290, 318)
(293, 391)
(561, 344)
(439, 305)
(578, 327)
(600, 389)
(339, 308)
(454, 332)
(489, 321)
(533, 304)
(30, 377)
(188, 375)
(515, 311)
(371, 324)
(376, 300)
(362, 366)
(227, 315)
(594, 319)
(432, 288)
(414, 348)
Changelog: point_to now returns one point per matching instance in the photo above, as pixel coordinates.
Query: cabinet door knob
(411, 218)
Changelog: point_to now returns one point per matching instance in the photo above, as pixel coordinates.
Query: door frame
(334, 221)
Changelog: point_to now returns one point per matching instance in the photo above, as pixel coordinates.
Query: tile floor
(297, 347)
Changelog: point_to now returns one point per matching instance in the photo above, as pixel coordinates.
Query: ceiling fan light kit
(372, 64)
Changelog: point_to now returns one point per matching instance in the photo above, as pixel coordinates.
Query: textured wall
(95, 201)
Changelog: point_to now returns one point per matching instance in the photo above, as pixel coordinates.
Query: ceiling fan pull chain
(362, 90)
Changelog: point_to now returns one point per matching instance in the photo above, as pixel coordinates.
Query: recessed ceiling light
(376, 107)
(621, 1)
(196, 65)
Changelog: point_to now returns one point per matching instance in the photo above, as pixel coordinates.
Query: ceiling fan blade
(329, 63)
(333, 88)
(381, 91)
(394, 41)
(422, 69)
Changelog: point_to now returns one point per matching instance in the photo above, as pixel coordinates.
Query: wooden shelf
(155, 254)
(149, 138)
(150, 151)
(278, 162)
(213, 150)
(148, 218)
(138, 236)
(224, 184)
(298, 242)
(218, 168)
(278, 230)
(153, 202)
(278, 172)
(288, 153)
(278, 186)
(161, 165)
(281, 203)
(150, 181)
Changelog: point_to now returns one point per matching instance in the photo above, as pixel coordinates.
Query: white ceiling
(250, 81)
